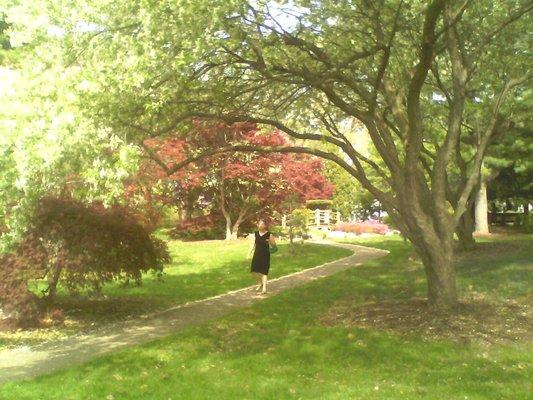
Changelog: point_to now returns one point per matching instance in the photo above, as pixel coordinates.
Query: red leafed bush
(362, 227)
(80, 247)
(26, 263)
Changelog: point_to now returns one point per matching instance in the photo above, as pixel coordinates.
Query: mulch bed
(476, 320)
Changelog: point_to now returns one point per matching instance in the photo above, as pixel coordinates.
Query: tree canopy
(432, 82)
(47, 146)
(238, 186)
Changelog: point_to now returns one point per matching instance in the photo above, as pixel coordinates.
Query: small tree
(238, 186)
(297, 224)
(79, 246)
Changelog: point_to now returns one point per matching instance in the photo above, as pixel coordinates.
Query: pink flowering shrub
(370, 226)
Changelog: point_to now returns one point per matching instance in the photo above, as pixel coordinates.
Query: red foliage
(253, 184)
(198, 228)
(17, 269)
(80, 246)
(305, 176)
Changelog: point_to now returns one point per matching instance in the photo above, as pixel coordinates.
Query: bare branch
(158, 132)
(455, 117)
(385, 58)
(155, 157)
(433, 12)
(232, 118)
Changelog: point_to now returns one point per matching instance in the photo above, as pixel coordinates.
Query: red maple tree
(239, 186)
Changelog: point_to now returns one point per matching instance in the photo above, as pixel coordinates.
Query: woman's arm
(251, 251)
(272, 239)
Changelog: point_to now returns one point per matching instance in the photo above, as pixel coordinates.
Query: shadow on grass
(276, 349)
(198, 271)
(500, 269)
(279, 348)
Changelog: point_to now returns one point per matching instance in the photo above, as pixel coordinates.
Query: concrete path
(28, 362)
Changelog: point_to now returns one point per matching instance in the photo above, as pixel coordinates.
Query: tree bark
(240, 219)
(52, 285)
(186, 211)
(225, 212)
(235, 230)
(432, 239)
(481, 212)
(229, 233)
(232, 229)
(465, 229)
(440, 273)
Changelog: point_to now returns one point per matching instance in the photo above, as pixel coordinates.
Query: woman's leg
(264, 283)
(258, 280)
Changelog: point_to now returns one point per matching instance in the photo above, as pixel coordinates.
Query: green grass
(209, 268)
(198, 270)
(501, 269)
(280, 349)
(203, 269)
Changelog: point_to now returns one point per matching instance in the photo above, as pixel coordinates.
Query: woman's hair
(263, 221)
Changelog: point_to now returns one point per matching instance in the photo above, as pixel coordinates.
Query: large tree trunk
(440, 273)
(481, 209)
(433, 242)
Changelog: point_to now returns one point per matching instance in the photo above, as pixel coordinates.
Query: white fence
(322, 219)
(325, 218)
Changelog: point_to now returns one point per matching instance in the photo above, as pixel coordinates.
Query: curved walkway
(26, 362)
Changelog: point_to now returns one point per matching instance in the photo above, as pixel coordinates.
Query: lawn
(309, 342)
(198, 270)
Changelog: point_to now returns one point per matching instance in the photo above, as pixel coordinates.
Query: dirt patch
(81, 315)
(472, 321)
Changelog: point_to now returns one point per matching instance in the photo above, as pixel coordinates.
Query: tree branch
(455, 18)
(355, 172)
(505, 23)
(482, 147)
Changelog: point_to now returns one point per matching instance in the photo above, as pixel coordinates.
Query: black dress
(261, 258)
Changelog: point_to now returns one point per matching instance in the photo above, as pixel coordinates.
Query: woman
(261, 255)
